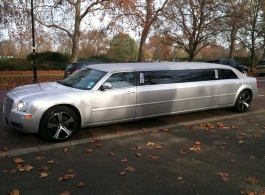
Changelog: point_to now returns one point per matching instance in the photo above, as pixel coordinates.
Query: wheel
(58, 124)
(245, 72)
(243, 101)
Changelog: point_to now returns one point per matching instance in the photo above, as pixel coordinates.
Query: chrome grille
(8, 102)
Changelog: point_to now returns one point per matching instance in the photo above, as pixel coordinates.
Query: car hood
(40, 90)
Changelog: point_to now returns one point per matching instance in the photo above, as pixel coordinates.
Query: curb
(110, 136)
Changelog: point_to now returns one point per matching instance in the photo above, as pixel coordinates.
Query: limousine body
(111, 93)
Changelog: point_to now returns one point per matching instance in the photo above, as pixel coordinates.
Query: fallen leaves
(196, 146)
(44, 168)
(150, 144)
(65, 193)
(224, 176)
(182, 151)
(252, 180)
(25, 168)
(14, 192)
(80, 184)
(43, 175)
(18, 160)
(67, 176)
(89, 151)
(4, 149)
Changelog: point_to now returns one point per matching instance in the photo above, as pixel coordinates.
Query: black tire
(243, 101)
(59, 124)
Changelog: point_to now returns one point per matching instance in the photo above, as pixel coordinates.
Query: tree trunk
(76, 35)
(232, 39)
(263, 55)
(141, 56)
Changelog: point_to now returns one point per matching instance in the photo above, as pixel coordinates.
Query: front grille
(8, 103)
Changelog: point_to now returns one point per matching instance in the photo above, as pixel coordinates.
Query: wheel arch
(73, 108)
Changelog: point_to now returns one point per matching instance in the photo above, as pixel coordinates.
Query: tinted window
(175, 76)
(122, 79)
(228, 74)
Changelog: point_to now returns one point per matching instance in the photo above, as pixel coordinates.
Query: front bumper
(21, 122)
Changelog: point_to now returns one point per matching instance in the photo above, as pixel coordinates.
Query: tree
(157, 46)
(138, 15)
(93, 43)
(251, 33)
(123, 47)
(190, 24)
(62, 15)
(234, 12)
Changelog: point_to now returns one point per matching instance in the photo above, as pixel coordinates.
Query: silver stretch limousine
(110, 93)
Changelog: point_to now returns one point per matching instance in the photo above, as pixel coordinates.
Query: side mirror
(106, 86)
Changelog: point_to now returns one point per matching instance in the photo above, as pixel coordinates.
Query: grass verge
(11, 79)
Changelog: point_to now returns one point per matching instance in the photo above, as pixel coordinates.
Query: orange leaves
(138, 154)
(150, 144)
(252, 180)
(25, 168)
(257, 136)
(44, 168)
(89, 151)
(14, 192)
(80, 184)
(18, 161)
(4, 149)
(43, 175)
(122, 173)
(196, 146)
(129, 168)
(65, 193)
(65, 149)
(67, 176)
(39, 158)
(224, 176)
(94, 140)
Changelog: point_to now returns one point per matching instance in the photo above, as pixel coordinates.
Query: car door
(230, 84)
(117, 103)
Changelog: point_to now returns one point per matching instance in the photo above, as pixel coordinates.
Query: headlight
(22, 106)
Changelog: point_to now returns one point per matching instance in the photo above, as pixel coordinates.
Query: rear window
(228, 74)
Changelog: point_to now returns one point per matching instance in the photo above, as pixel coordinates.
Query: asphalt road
(228, 158)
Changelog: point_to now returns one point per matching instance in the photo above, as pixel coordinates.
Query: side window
(122, 79)
(228, 74)
(176, 76)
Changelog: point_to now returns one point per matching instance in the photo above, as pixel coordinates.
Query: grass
(11, 79)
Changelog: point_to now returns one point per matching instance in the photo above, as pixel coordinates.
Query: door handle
(129, 92)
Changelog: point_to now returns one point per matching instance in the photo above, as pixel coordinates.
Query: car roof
(151, 66)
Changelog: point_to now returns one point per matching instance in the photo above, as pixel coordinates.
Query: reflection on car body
(111, 93)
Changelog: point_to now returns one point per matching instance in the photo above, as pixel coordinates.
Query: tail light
(257, 84)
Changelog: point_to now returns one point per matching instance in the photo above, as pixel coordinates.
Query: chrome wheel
(243, 101)
(59, 124)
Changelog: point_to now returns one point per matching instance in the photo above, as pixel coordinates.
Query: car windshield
(84, 79)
